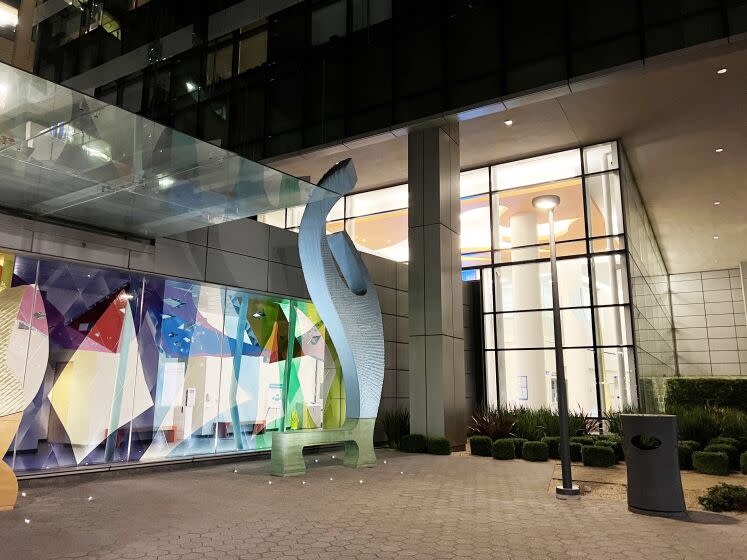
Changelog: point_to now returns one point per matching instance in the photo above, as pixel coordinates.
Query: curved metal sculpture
(23, 327)
(346, 299)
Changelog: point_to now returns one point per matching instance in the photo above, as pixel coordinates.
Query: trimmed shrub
(480, 445)
(707, 462)
(413, 443)
(685, 456)
(706, 391)
(743, 463)
(575, 451)
(721, 440)
(694, 445)
(610, 437)
(725, 497)
(597, 456)
(553, 446)
(583, 440)
(535, 451)
(438, 446)
(518, 445)
(503, 449)
(731, 452)
(616, 446)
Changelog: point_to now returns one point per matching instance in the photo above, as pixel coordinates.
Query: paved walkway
(439, 508)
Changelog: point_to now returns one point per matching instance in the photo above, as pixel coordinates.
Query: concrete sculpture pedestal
(356, 434)
(346, 299)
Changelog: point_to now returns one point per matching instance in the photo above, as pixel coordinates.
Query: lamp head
(546, 202)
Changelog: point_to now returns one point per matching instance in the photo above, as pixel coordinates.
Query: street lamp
(567, 490)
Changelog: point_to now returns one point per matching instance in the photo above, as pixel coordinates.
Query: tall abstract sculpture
(346, 299)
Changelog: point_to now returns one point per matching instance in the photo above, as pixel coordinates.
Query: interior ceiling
(671, 118)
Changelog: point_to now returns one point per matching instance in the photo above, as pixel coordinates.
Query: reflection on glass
(491, 380)
(604, 204)
(372, 202)
(610, 279)
(517, 223)
(617, 378)
(526, 329)
(275, 218)
(475, 259)
(474, 182)
(475, 224)
(552, 167)
(518, 254)
(602, 157)
(529, 378)
(383, 234)
(613, 326)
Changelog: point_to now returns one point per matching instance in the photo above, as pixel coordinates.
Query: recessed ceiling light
(721, 71)
(508, 122)
(715, 236)
(719, 150)
(716, 203)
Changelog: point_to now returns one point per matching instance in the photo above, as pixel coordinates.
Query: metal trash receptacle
(654, 483)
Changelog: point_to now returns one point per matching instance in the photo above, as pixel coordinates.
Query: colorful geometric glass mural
(123, 367)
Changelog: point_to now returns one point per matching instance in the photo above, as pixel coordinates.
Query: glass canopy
(69, 157)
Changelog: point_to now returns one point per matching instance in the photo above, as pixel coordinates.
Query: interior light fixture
(717, 203)
(721, 71)
(165, 182)
(546, 202)
(508, 122)
(719, 150)
(715, 236)
(190, 86)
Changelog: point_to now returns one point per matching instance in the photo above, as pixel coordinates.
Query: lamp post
(567, 490)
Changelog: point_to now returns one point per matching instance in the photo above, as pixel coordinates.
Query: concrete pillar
(528, 328)
(437, 383)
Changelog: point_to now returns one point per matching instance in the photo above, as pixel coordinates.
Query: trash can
(654, 483)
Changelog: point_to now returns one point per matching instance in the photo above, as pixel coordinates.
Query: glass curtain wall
(592, 281)
(652, 310)
(124, 367)
(505, 245)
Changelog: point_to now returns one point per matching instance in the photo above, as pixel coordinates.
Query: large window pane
(182, 330)
(610, 279)
(219, 64)
(517, 223)
(475, 224)
(474, 182)
(487, 289)
(562, 249)
(602, 157)
(90, 385)
(573, 282)
(383, 234)
(276, 218)
(491, 380)
(520, 287)
(536, 170)
(613, 326)
(528, 378)
(382, 200)
(328, 21)
(489, 332)
(527, 329)
(616, 378)
(252, 51)
(605, 214)
(576, 325)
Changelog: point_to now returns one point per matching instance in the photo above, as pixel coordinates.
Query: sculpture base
(8, 482)
(355, 433)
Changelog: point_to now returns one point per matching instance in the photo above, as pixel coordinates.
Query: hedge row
(684, 391)
(418, 443)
